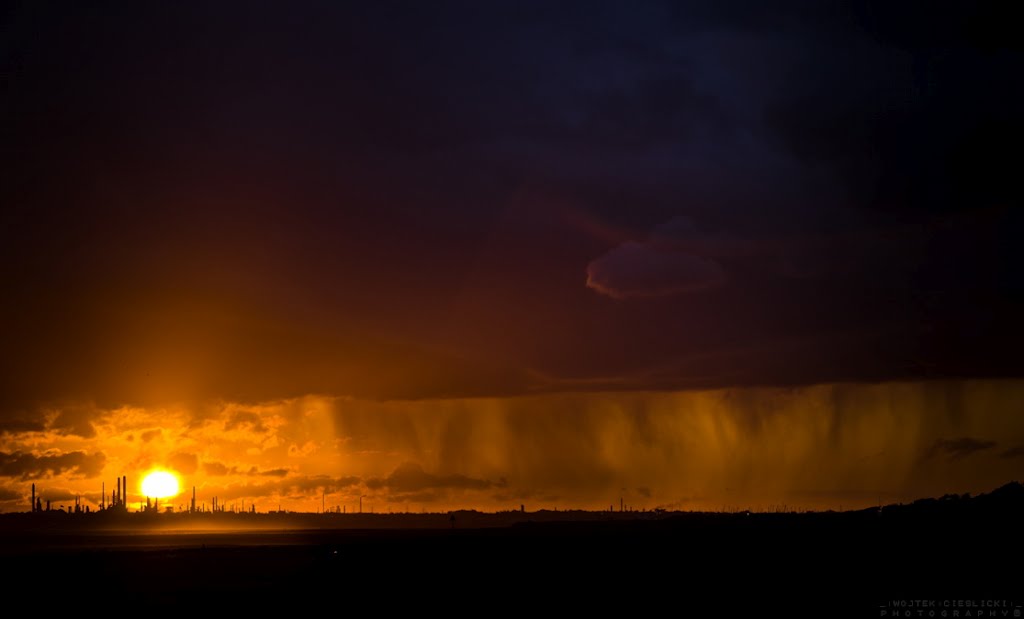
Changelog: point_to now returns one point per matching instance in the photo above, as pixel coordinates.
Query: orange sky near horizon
(816, 447)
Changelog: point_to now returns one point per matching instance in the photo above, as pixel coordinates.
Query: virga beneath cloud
(818, 447)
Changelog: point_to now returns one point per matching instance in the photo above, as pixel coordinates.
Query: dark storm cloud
(370, 201)
(75, 421)
(678, 257)
(18, 426)
(409, 477)
(955, 448)
(917, 115)
(1013, 452)
(637, 270)
(320, 482)
(57, 494)
(29, 466)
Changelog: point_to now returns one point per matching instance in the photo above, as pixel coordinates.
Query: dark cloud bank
(251, 201)
(28, 466)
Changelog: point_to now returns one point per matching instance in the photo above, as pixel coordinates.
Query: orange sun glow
(160, 485)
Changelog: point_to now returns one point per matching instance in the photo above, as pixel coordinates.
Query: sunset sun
(160, 485)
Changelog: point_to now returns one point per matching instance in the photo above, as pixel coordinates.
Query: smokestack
(103, 496)
(193, 510)
(33, 497)
(117, 494)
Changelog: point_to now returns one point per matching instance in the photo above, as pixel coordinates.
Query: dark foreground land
(959, 554)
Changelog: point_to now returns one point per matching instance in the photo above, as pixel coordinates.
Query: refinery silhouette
(116, 502)
(116, 511)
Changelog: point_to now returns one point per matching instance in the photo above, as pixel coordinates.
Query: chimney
(33, 497)
(117, 493)
(103, 496)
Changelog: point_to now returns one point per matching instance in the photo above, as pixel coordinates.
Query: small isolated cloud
(295, 451)
(1013, 452)
(648, 270)
(956, 448)
(410, 477)
(303, 486)
(218, 469)
(30, 466)
(149, 435)
(253, 471)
